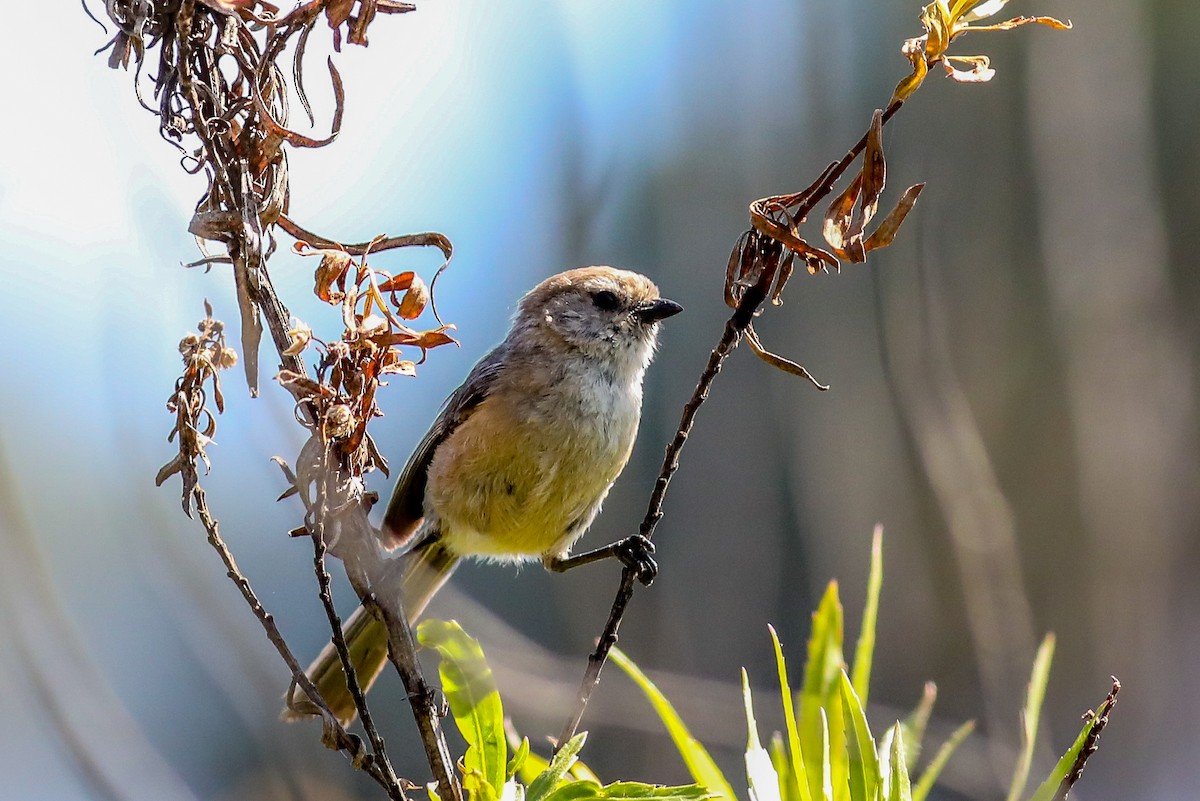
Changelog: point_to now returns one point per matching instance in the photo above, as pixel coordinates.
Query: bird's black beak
(655, 310)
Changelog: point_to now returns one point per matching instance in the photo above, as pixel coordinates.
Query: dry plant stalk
(764, 257)
(222, 99)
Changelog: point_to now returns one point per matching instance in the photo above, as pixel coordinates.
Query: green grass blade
(860, 746)
(698, 761)
(799, 769)
(783, 768)
(627, 791)
(899, 787)
(925, 784)
(1031, 715)
(915, 724)
(546, 781)
(826, 774)
(825, 663)
(864, 650)
(761, 778)
(1084, 745)
(474, 700)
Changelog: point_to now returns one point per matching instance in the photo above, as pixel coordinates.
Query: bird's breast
(529, 468)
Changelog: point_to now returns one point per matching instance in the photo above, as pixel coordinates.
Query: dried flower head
(204, 354)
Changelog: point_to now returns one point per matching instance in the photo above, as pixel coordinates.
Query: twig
(343, 651)
(334, 732)
(771, 257)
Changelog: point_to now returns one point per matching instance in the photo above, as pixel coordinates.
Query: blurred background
(1013, 386)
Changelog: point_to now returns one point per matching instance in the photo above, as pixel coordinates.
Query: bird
(520, 458)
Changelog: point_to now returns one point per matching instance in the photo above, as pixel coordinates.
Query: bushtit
(517, 463)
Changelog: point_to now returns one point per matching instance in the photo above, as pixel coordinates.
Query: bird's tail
(426, 568)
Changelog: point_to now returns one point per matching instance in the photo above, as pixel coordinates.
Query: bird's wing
(405, 510)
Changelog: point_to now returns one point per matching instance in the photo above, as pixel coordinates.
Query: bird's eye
(608, 301)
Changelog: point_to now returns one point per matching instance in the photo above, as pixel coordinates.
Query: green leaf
(470, 689)
(860, 746)
(477, 787)
(1030, 716)
(864, 651)
(783, 768)
(546, 781)
(532, 766)
(821, 690)
(899, 787)
(940, 759)
(761, 778)
(798, 774)
(915, 724)
(698, 761)
(518, 760)
(1090, 731)
(826, 775)
(627, 791)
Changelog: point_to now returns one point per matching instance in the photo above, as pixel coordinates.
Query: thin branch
(336, 735)
(343, 651)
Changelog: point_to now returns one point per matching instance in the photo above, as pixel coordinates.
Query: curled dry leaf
(840, 216)
(786, 365)
(398, 283)
(874, 174)
(299, 335)
(415, 299)
(980, 72)
(886, 232)
(331, 270)
(844, 226)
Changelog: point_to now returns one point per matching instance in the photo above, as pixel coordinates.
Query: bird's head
(600, 312)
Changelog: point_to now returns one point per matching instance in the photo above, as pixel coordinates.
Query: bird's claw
(636, 553)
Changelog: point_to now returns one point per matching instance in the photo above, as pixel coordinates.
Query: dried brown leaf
(1017, 22)
(338, 11)
(399, 282)
(840, 215)
(415, 299)
(785, 272)
(874, 175)
(886, 232)
(733, 269)
(331, 270)
(786, 365)
(435, 338)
